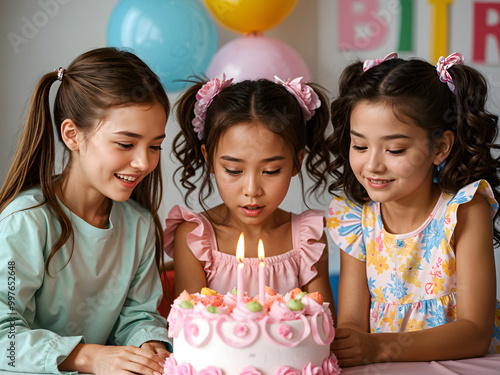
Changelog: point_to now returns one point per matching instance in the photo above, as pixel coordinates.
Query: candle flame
(240, 248)
(260, 251)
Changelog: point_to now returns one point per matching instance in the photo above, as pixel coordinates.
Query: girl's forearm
(80, 359)
(454, 340)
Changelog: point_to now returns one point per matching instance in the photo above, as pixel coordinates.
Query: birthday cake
(286, 335)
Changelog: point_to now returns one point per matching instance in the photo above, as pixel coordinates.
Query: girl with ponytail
(82, 248)
(250, 138)
(416, 178)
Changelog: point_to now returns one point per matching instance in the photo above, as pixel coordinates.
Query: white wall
(66, 28)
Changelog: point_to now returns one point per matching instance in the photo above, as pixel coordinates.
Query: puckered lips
(252, 209)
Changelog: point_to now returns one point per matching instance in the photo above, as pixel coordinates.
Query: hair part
(250, 101)
(95, 82)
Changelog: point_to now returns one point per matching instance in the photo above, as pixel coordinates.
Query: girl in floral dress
(412, 146)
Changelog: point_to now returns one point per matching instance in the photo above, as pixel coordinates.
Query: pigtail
(318, 156)
(186, 146)
(471, 157)
(338, 141)
(34, 160)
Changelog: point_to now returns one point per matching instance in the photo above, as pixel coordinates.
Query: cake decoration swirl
(214, 334)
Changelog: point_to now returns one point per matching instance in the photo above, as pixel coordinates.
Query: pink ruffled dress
(294, 268)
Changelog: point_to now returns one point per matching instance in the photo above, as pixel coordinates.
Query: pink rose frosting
(175, 319)
(285, 370)
(285, 331)
(311, 306)
(279, 311)
(305, 95)
(331, 365)
(170, 366)
(242, 314)
(310, 369)
(241, 330)
(202, 310)
(249, 370)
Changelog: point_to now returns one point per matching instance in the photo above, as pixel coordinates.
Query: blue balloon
(176, 38)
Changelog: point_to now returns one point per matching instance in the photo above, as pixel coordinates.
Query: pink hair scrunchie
(444, 64)
(367, 64)
(204, 98)
(308, 100)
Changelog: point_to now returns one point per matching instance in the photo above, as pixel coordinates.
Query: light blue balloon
(176, 38)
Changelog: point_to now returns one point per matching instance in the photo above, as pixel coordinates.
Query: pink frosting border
(329, 366)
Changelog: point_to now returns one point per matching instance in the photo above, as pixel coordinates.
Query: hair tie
(305, 95)
(444, 64)
(371, 63)
(60, 73)
(204, 98)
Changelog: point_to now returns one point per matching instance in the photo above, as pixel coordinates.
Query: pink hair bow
(204, 98)
(308, 100)
(444, 64)
(371, 63)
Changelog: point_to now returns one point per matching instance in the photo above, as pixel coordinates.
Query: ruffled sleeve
(345, 227)
(465, 195)
(201, 240)
(308, 228)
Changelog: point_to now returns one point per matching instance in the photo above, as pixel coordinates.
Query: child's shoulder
(478, 193)
(341, 206)
(31, 200)
(180, 223)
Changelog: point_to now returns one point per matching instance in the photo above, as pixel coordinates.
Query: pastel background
(38, 36)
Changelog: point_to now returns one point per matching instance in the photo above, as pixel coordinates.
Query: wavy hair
(414, 92)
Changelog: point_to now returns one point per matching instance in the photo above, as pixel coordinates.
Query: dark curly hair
(413, 90)
(244, 102)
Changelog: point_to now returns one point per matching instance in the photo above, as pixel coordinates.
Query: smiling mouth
(379, 181)
(125, 178)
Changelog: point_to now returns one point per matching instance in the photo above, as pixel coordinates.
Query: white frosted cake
(213, 334)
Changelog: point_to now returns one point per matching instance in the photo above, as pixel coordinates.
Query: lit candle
(262, 274)
(240, 255)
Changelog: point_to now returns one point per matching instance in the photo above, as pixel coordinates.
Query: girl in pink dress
(413, 156)
(250, 138)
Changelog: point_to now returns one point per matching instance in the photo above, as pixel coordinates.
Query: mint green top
(107, 294)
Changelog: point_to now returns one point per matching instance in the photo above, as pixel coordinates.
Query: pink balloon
(257, 56)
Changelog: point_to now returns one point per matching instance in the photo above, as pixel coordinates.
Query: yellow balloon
(247, 16)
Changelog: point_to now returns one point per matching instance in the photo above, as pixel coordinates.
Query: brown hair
(414, 92)
(244, 102)
(95, 81)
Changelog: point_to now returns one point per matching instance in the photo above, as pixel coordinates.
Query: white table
(489, 364)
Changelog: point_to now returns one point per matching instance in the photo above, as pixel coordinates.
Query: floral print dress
(411, 276)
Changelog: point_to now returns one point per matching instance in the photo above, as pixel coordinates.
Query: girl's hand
(127, 360)
(158, 348)
(354, 348)
(115, 360)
